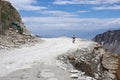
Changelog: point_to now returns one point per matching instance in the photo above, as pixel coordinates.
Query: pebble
(74, 76)
(74, 71)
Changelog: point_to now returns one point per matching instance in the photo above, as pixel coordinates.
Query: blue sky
(84, 18)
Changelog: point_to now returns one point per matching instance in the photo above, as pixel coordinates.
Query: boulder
(111, 63)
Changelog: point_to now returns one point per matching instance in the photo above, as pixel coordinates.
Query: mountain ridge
(110, 40)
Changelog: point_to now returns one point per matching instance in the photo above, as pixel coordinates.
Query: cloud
(64, 2)
(83, 11)
(101, 4)
(28, 5)
(114, 7)
(57, 13)
(87, 24)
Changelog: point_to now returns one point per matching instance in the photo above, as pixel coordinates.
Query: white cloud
(26, 5)
(83, 11)
(114, 7)
(57, 13)
(104, 4)
(71, 23)
(64, 2)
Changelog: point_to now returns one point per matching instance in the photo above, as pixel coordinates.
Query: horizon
(55, 18)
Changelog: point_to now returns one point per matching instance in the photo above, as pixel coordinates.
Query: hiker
(73, 38)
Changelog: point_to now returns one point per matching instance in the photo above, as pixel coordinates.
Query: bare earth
(38, 62)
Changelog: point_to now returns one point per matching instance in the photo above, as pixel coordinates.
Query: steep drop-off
(94, 62)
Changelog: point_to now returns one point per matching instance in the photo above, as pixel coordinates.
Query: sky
(83, 18)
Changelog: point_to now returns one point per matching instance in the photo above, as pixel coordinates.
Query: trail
(41, 54)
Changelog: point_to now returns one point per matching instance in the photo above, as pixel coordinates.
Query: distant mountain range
(110, 40)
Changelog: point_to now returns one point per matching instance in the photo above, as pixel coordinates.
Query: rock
(71, 57)
(90, 62)
(94, 62)
(86, 78)
(111, 63)
(11, 22)
(74, 71)
(109, 76)
(74, 76)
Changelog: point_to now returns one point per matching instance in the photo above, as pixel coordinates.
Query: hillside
(110, 40)
(12, 29)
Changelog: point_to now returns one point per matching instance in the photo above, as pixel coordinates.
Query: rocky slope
(94, 62)
(110, 40)
(12, 29)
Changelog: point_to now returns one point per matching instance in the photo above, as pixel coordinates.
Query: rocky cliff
(110, 40)
(93, 61)
(12, 28)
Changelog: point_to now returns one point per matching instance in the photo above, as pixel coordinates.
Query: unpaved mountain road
(39, 72)
(30, 63)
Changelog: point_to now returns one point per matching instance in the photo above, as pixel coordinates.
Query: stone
(74, 71)
(74, 76)
(109, 76)
(111, 63)
(71, 57)
(85, 78)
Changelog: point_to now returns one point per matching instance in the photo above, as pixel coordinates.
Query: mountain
(12, 29)
(50, 59)
(110, 40)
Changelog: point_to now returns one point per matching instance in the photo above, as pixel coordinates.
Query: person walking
(73, 38)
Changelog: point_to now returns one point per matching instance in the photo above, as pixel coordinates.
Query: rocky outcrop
(95, 62)
(111, 63)
(9, 16)
(110, 40)
(12, 29)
